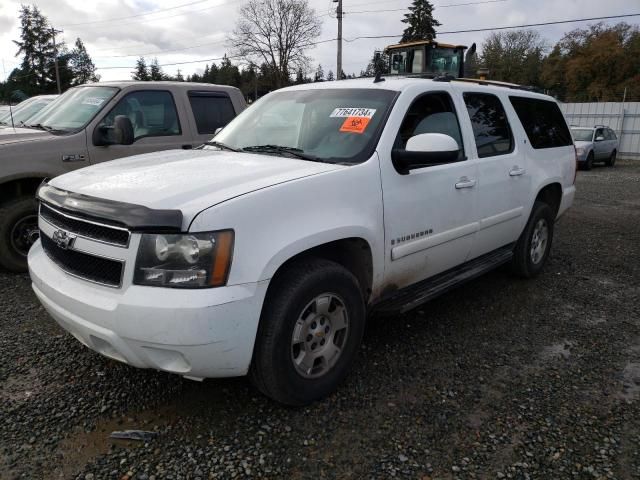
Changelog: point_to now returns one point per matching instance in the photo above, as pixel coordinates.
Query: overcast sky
(196, 29)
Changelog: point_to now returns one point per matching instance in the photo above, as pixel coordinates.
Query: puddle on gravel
(81, 447)
(22, 387)
(557, 350)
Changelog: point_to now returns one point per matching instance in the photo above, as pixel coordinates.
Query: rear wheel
(310, 330)
(18, 231)
(588, 164)
(534, 245)
(611, 161)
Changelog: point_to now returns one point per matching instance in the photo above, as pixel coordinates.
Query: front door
(156, 126)
(429, 214)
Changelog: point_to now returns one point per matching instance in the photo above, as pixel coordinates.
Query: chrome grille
(83, 265)
(101, 232)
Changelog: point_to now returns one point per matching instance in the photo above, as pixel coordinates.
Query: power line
(162, 51)
(557, 22)
(134, 16)
(436, 6)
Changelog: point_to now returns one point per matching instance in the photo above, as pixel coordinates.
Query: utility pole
(339, 15)
(55, 57)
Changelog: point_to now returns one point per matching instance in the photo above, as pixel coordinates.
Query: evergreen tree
(141, 72)
(155, 72)
(319, 75)
(36, 44)
(228, 74)
(330, 76)
(420, 22)
(299, 77)
(179, 77)
(81, 65)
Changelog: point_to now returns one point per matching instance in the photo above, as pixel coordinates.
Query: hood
(582, 144)
(16, 135)
(186, 180)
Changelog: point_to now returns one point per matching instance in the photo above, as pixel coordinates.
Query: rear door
(503, 177)
(600, 146)
(210, 110)
(156, 122)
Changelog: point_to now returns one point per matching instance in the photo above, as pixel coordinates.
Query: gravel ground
(501, 378)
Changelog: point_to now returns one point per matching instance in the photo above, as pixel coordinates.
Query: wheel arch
(16, 186)
(354, 252)
(551, 194)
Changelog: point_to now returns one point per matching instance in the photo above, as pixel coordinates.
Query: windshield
(25, 110)
(582, 134)
(445, 61)
(74, 109)
(336, 125)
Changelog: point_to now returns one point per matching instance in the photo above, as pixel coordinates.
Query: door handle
(516, 170)
(187, 146)
(465, 182)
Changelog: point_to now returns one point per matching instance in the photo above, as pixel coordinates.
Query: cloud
(207, 23)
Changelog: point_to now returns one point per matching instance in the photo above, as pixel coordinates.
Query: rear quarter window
(542, 121)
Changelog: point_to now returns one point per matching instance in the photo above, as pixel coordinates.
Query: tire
(533, 247)
(611, 161)
(588, 164)
(292, 322)
(18, 231)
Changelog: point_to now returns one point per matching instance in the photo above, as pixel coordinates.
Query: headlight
(580, 151)
(189, 260)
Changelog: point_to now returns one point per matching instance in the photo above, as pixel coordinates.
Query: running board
(415, 295)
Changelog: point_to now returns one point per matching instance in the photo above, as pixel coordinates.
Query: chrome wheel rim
(319, 335)
(24, 234)
(539, 241)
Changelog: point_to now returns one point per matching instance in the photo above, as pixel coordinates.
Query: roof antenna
(377, 60)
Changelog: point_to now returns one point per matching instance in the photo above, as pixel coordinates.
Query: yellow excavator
(428, 58)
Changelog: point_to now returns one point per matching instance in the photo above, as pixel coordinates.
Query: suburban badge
(63, 239)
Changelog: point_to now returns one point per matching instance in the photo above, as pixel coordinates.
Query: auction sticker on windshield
(95, 101)
(353, 112)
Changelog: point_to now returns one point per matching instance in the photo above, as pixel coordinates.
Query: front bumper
(195, 333)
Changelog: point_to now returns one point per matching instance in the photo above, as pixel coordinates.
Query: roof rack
(513, 86)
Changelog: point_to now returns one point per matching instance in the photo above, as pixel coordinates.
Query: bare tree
(276, 32)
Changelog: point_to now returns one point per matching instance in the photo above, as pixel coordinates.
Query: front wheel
(18, 231)
(588, 164)
(611, 161)
(310, 330)
(534, 245)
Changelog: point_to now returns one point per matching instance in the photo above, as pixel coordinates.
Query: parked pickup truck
(264, 251)
(78, 130)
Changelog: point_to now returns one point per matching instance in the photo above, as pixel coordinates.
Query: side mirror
(599, 139)
(218, 130)
(123, 130)
(424, 150)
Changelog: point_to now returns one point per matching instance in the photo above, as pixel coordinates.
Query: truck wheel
(534, 244)
(611, 161)
(589, 162)
(310, 330)
(18, 231)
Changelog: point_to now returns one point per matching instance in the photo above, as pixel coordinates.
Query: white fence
(622, 118)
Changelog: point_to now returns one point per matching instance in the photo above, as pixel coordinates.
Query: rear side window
(490, 125)
(211, 110)
(542, 121)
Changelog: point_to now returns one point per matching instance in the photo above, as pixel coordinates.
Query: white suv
(264, 251)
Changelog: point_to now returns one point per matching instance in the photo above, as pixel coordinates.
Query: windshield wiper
(296, 152)
(220, 145)
(39, 126)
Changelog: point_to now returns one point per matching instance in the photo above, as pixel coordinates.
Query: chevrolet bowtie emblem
(63, 239)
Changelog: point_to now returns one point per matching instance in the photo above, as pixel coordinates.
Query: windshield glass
(336, 125)
(582, 134)
(74, 109)
(25, 110)
(445, 61)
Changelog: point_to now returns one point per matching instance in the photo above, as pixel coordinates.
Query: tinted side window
(612, 135)
(211, 111)
(152, 114)
(490, 125)
(543, 122)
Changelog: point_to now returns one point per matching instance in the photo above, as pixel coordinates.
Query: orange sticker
(355, 124)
